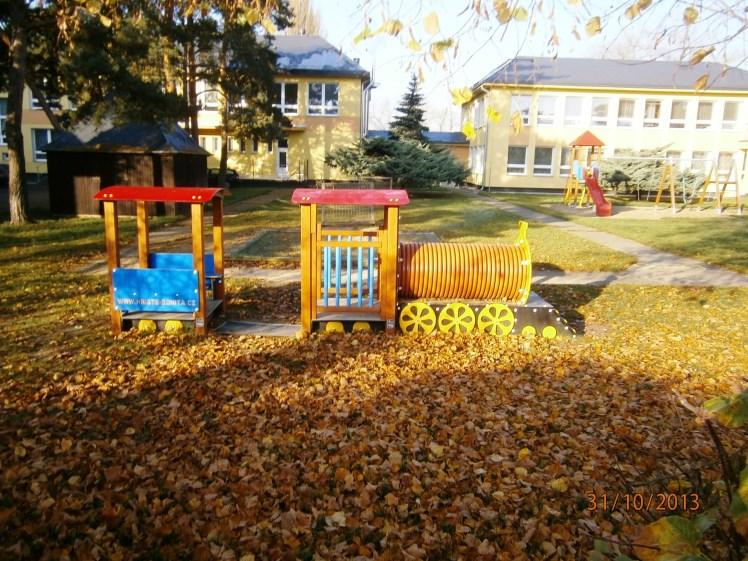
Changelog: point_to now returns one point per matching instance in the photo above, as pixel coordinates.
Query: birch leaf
(690, 15)
(593, 26)
(702, 82)
(493, 115)
(392, 27)
(431, 23)
(701, 54)
(517, 123)
(461, 95)
(468, 130)
(520, 14)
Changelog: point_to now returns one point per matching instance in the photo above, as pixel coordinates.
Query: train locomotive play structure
(364, 278)
(352, 279)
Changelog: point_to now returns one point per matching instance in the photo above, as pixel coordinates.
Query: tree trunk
(16, 74)
(194, 130)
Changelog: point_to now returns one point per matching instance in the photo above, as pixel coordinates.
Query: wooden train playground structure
(352, 279)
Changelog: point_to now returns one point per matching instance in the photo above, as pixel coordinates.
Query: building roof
(591, 72)
(132, 137)
(436, 137)
(312, 55)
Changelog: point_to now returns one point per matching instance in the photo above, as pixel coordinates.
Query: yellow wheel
(147, 326)
(334, 327)
(417, 317)
(529, 331)
(361, 326)
(496, 319)
(456, 318)
(173, 326)
(549, 332)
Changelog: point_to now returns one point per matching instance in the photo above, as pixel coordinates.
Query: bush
(410, 164)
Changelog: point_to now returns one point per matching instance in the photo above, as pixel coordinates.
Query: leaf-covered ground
(359, 447)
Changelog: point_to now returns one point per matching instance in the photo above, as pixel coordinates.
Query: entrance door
(282, 169)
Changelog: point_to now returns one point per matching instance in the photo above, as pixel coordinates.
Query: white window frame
(596, 120)
(479, 112)
(323, 109)
(626, 122)
(287, 109)
(39, 155)
(216, 144)
(652, 122)
(705, 123)
(571, 119)
(547, 120)
(518, 102)
(701, 159)
(728, 124)
(564, 169)
(727, 155)
(521, 169)
(542, 170)
(679, 123)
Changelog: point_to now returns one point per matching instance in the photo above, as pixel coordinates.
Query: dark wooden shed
(89, 158)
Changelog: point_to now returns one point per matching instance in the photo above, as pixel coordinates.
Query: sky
(483, 45)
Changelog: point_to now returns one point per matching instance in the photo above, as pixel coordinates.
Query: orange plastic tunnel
(466, 271)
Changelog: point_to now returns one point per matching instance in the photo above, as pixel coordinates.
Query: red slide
(602, 206)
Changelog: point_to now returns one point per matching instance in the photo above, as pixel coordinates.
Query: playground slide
(602, 206)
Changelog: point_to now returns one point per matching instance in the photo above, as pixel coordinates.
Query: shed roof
(591, 72)
(132, 137)
(311, 54)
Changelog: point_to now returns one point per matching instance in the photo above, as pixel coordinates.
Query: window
(573, 111)
(652, 113)
(479, 112)
(564, 164)
(543, 163)
(699, 160)
(724, 163)
(216, 144)
(202, 142)
(704, 115)
(3, 117)
(673, 157)
(40, 138)
(477, 154)
(270, 146)
(210, 100)
(286, 98)
(323, 99)
(600, 111)
(53, 103)
(517, 160)
(546, 110)
(729, 115)
(521, 105)
(255, 146)
(242, 145)
(626, 112)
(678, 114)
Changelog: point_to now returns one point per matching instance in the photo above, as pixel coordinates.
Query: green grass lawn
(719, 240)
(458, 218)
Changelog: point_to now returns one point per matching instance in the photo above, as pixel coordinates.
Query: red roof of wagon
(369, 197)
(159, 194)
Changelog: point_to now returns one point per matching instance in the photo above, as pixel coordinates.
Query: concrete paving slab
(254, 328)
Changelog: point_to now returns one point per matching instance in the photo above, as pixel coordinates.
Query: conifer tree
(408, 124)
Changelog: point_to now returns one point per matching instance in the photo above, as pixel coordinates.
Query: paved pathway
(654, 267)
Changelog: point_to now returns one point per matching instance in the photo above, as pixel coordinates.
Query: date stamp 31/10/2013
(637, 502)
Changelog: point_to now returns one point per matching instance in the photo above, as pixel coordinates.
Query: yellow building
(325, 95)
(36, 132)
(629, 105)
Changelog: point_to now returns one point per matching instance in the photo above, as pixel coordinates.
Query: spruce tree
(408, 124)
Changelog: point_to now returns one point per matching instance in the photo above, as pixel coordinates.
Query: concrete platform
(254, 328)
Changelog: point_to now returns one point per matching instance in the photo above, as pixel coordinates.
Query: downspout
(485, 144)
(367, 86)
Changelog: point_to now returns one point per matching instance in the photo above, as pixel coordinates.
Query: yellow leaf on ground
(436, 449)
(559, 484)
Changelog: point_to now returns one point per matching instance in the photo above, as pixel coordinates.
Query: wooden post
(314, 262)
(307, 286)
(219, 290)
(388, 269)
(111, 233)
(143, 245)
(198, 260)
